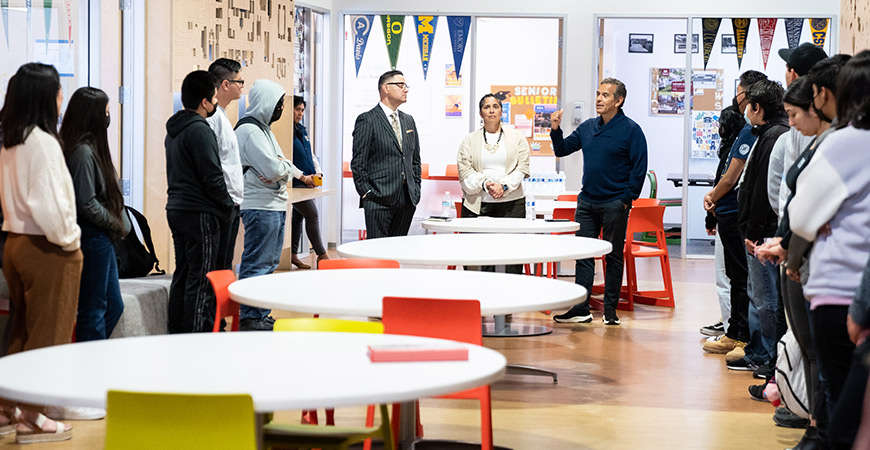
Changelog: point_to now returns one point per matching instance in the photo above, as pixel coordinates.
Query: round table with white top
(185, 363)
(485, 224)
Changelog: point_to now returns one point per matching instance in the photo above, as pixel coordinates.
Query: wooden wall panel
(854, 33)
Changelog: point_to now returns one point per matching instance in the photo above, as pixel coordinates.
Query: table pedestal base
(500, 327)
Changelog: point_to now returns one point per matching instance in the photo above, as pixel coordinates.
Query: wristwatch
(504, 187)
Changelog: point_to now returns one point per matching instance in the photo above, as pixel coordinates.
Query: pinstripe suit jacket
(379, 166)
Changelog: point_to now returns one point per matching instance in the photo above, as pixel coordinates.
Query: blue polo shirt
(740, 150)
(614, 157)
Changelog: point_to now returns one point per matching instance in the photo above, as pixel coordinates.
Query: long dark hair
(730, 124)
(800, 93)
(85, 124)
(853, 92)
(31, 101)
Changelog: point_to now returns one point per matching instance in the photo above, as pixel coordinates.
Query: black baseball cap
(802, 58)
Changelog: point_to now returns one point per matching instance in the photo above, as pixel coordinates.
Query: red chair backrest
(564, 213)
(645, 218)
(566, 198)
(220, 281)
(358, 263)
(458, 209)
(457, 320)
(452, 170)
(645, 202)
(424, 170)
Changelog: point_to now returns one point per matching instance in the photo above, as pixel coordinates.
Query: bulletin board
(528, 109)
(668, 91)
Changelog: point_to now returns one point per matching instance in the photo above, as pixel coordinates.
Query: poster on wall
(453, 106)
(705, 134)
(529, 108)
(668, 91)
(451, 79)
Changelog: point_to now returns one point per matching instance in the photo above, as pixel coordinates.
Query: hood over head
(262, 100)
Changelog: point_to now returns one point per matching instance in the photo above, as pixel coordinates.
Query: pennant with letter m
(426, 26)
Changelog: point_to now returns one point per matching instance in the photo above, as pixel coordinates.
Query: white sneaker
(74, 413)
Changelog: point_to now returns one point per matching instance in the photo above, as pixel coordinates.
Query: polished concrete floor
(643, 385)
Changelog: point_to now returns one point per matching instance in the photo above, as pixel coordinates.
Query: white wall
(579, 32)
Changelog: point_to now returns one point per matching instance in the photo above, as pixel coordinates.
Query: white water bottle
(446, 204)
(530, 207)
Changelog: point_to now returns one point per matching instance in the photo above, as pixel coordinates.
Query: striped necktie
(397, 130)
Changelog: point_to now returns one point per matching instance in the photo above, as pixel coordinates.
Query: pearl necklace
(492, 148)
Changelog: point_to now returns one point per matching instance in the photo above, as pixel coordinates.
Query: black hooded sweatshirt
(195, 181)
(755, 217)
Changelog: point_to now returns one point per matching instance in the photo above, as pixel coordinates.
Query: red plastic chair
(646, 217)
(220, 281)
(424, 170)
(457, 320)
(357, 263)
(566, 198)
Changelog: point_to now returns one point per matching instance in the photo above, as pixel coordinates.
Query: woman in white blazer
(492, 163)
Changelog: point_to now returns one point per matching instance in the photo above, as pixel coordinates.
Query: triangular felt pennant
(793, 28)
(426, 26)
(46, 11)
(458, 27)
(4, 6)
(741, 30)
(819, 27)
(766, 28)
(360, 27)
(393, 27)
(711, 29)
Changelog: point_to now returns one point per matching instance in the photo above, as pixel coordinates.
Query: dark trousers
(100, 303)
(833, 350)
(196, 238)
(387, 221)
(227, 240)
(737, 271)
(846, 417)
(797, 310)
(612, 217)
(514, 208)
(306, 211)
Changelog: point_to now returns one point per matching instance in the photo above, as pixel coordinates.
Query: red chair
(566, 198)
(220, 281)
(452, 170)
(458, 206)
(357, 263)
(645, 217)
(424, 170)
(457, 320)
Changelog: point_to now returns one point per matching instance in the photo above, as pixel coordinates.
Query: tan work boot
(737, 352)
(723, 344)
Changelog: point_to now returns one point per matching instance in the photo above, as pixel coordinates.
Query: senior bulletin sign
(528, 109)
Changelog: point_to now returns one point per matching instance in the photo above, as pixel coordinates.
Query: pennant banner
(361, 27)
(793, 28)
(711, 29)
(393, 27)
(766, 28)
(4, 6)
(741, 29)
(426, 26)
(458, 27)
(819, 27)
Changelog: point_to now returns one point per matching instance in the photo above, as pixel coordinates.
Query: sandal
(11, 420)
(36, 433)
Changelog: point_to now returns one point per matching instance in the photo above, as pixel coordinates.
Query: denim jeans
(612, 217)
(264, 240)
(100, 304)
(762, 310)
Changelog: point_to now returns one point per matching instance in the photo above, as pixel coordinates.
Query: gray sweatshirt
(260, 153)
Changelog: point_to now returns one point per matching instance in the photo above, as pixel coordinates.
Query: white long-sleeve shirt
(37, 192)
(228, 145)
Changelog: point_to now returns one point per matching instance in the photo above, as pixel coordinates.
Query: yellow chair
(146, 421)
(279, 436)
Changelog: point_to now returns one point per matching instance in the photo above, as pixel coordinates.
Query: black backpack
(134, 260)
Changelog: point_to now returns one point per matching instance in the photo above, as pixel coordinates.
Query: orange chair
(458, 206)
(424, 170)
(345, 170)
(220, 281)
(645, 217)
(566, 198)
(457, 320)
(452, 170)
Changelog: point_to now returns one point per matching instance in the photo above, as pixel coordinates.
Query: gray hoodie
(260, 154)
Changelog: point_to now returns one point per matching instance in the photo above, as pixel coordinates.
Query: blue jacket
(302, 153)
(614, 157)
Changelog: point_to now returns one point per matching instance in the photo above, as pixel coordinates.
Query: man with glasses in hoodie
(264, 207)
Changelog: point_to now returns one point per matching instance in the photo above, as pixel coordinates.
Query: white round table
(546, 207)
(361, 291)
(266, 365)
(499, 225)
(476, 249)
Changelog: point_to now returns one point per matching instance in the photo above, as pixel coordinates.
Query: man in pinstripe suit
(386, 161)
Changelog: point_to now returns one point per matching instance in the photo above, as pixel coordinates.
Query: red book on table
(400, 353)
